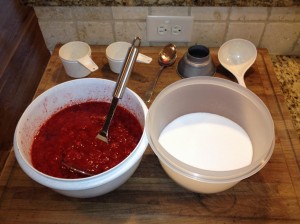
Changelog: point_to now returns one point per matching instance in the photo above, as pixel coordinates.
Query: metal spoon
(75, 169)
(167, 57)
(120, 86)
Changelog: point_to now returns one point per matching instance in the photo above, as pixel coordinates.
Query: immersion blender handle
(127, 68)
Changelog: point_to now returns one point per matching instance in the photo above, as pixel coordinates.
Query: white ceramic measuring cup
(76, 58)
(237, 55)
(116, 54)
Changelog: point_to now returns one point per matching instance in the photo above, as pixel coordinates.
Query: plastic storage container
(217, 96)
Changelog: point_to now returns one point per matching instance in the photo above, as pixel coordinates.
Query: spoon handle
(127, 68)
(151, 90)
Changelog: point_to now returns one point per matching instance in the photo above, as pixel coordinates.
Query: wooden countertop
(150, 196)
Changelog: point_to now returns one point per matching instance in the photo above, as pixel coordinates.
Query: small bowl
(56, 98)
(220, 97)
(196, 62)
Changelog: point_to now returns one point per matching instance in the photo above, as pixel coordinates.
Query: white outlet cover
(155, 24)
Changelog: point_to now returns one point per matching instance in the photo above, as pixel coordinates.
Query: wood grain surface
(150, 196)
(23, 58)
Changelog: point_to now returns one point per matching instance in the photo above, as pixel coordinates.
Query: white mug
(116, 54)
(76, 58)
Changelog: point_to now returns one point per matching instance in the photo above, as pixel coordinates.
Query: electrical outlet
(163, 29)
(176, 30)
(169, 28)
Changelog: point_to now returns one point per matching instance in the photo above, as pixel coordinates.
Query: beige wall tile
(249, 31)
(248, 13)
(209, 34)
(169, 11)
(92, 13)
(96, 32)
(178, 44)
(285, 14)
(58, 32)
(130, 12)
(275, 28)
(210, 13)
(280, 38)
(126, 31)
(53, 13)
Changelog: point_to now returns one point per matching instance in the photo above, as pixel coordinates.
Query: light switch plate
(169, 28)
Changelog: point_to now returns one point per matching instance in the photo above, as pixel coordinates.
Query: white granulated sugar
(207, 141)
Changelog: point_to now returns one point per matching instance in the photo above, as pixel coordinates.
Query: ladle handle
(241, 81)
(127, 68)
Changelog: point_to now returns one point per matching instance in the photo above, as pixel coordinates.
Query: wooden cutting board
(150, 196)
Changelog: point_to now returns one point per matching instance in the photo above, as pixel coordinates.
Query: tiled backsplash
(275, 28)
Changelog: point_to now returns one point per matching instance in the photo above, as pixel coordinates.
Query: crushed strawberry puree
(70, 136)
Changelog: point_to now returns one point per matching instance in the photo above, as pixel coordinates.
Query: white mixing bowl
(58, 97)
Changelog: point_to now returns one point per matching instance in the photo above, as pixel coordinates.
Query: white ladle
(237, 55)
